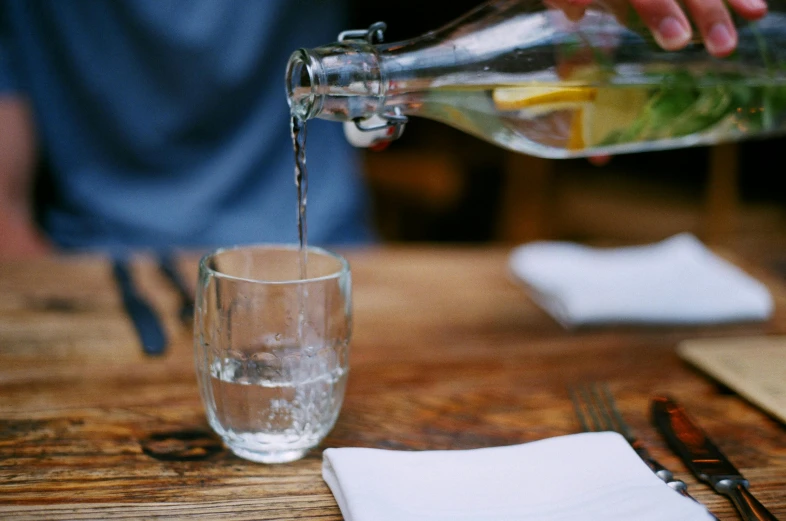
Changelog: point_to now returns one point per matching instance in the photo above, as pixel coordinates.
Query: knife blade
(704, 459)
(148, 327)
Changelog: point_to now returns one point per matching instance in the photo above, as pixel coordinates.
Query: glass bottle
(528, 78)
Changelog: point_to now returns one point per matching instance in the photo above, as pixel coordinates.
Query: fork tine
(597, 409)
(579, 410)
(604, 419)
(594, 409)
(615, 415)
(588, 409)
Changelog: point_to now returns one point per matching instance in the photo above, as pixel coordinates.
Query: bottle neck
(341, 81)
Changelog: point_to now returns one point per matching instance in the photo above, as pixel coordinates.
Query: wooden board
(754, 367)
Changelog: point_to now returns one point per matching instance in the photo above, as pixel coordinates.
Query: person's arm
(19, 235)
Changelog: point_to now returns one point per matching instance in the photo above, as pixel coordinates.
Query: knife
(704, 459)
(151, 333)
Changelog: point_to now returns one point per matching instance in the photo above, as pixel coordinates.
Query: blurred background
(438, 184)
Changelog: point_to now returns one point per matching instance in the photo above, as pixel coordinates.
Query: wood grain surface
(447, 353)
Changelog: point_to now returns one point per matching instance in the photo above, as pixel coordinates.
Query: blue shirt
(165, 122)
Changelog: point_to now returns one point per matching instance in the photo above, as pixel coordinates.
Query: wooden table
(447, 353)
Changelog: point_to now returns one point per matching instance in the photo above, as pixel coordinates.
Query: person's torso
(165, 121)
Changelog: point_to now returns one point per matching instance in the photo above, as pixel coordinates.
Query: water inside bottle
(574, 119)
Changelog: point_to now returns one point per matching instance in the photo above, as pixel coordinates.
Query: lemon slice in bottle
(613, 109)
(543, 99)
(597, 112)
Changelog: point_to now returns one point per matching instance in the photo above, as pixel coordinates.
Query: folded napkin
(592, 476)
(677, 281)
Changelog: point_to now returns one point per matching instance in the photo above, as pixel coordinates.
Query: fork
(597, 410)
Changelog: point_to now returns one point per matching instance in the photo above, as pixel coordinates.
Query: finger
(666, 20)
(574, 12)
(579, 3)
(714, 23)
(562, 5)
(749, 9)
(573, 9)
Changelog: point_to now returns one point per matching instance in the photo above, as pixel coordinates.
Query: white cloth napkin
(581, 477)
(677, 281)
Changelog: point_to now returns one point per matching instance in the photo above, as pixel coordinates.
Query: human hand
(670, 24)
(671, 27)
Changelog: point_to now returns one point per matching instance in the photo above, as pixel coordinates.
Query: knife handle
(748, 506)
(168, 267)
(149, 329)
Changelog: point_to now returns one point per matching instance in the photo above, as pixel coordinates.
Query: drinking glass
(272, 347)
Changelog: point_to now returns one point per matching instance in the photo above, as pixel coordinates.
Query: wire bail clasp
(375, 31)
(376, 34)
